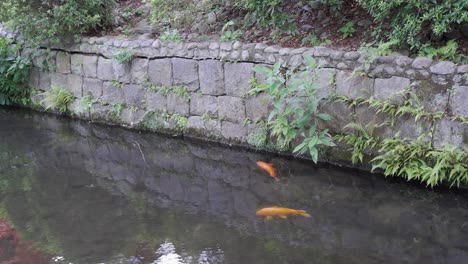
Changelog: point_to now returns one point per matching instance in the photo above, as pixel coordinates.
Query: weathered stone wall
(217, 75)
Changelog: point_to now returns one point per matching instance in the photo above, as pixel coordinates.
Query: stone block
(387, 88)
(204, 104)
(104, 69)
(112, 94)
(185, 73)
(63, 62)
(257, 107)
(342, 115)
(372, 121)
(44, 81)
(90, 65)
(237, 77)
(459, 101)
(44, 60)
(434, 97)
(211, 77)
(139, 70)
(58, 80)
(421, 63)
(160, 72)
(231, 109)
(121, 72)
(134, 95)
(444, 68)
(327, 79)
(196, 126)
(76, 64)
(156, 101)
(177, 104)
(132, 117)
(451, 132)
(353, 86)
(34, 77)
(92, 87)
(75, 85)
(233, 131)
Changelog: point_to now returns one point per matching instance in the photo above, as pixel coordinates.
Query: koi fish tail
(303, 213)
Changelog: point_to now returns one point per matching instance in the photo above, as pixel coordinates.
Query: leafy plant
(117, 109)
(416, 160)
(296, 110)
(266, 12)
(181, 91)
(313, 40)
(171, 35)
(14, 72)
(87, 101)
(228, 34)
(46, 20)
(117, 84)
(447, 52)
(413, 22)
(361, 141)
(259, 137)
(181, 121)
(57, 98)
(123, 56)
(348, 29)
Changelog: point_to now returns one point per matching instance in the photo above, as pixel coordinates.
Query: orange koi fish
(281, 212)
(268, 167)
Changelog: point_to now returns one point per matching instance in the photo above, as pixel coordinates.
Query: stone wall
(216, 76)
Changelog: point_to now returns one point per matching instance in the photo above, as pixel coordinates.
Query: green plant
(181, 91)
(348, 29)
(259, 137)
(46, 20)
(57, 98)
(334, 6)
(117, 84)
(296, 110)
(313, 40)
(87, 101)
(447, 52)
(181, 121)
(123, 56)
(416, 160)
(361, 141)
(14, 72)
(228, 34)
(266, 12)
(413, 22)
(117, 109)
(373, 51)
(177, 13)
(171, 35)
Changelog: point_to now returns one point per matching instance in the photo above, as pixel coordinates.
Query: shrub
(414, 22)
(14, 71)
(44, 20)
(296, 112)
(266, 12)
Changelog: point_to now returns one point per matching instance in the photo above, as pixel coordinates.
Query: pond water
(74, 192)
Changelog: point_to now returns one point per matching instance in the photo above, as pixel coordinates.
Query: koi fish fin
(304, 213)
(269, 217)
(276, 178)
(283, 216)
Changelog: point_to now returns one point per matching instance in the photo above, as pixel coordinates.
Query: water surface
(74, 192)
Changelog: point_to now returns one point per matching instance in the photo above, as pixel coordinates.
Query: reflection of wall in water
(351, 214)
